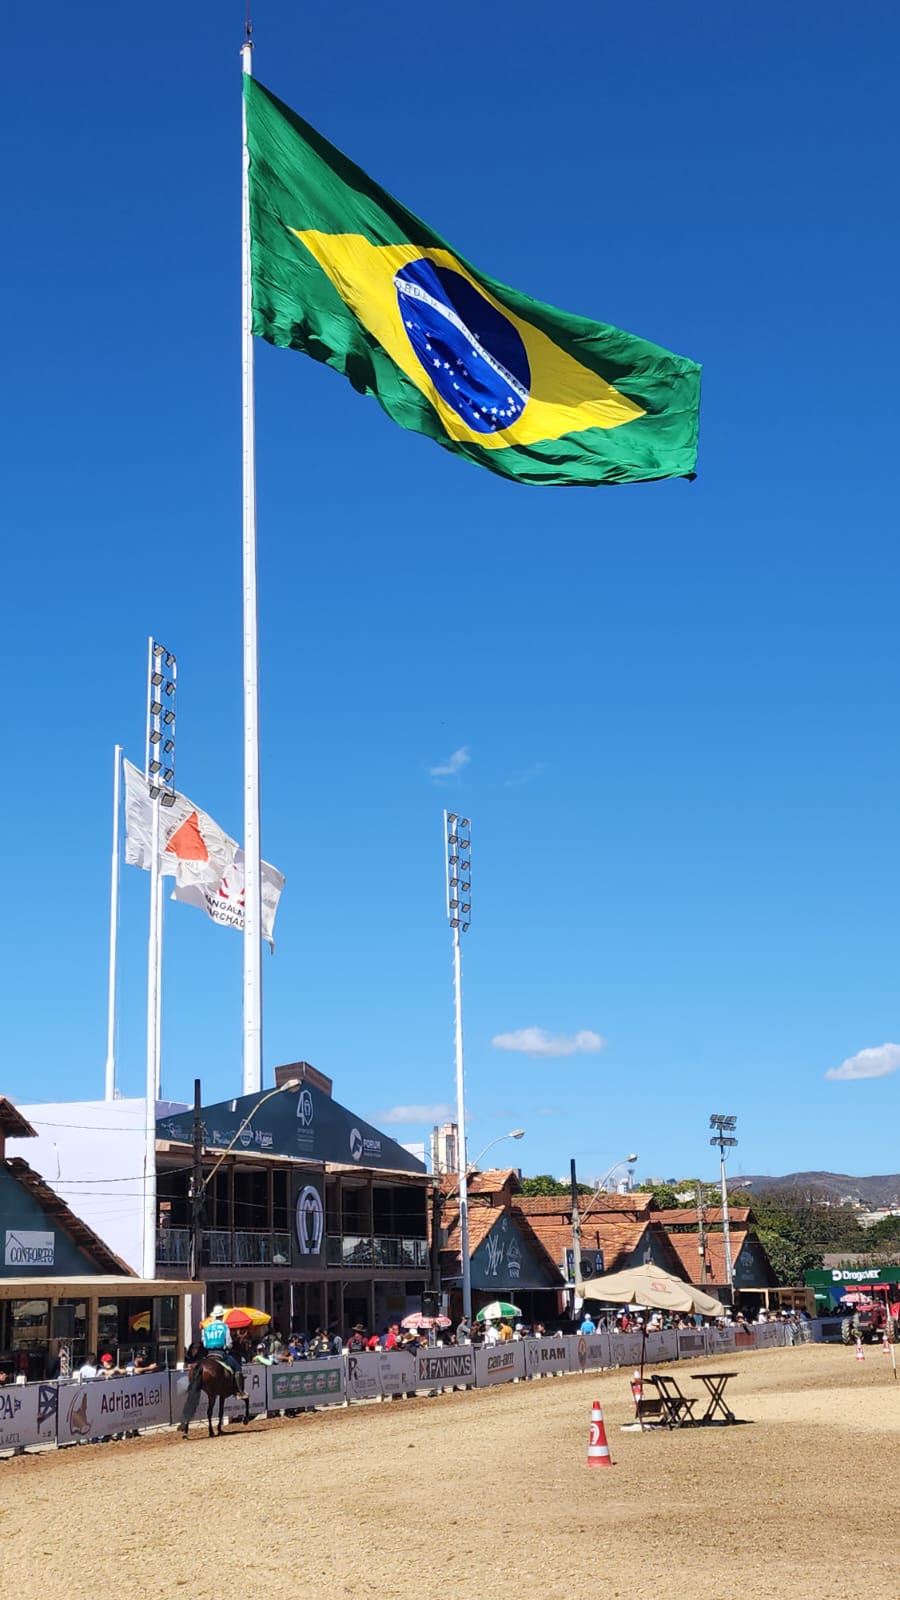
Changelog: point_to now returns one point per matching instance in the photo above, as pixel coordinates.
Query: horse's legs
(211, 1400)
(246, 1409)
(221, 1413)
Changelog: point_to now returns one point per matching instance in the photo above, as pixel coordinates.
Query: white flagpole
(113, 930)
(148, 1253)
(252, 1078)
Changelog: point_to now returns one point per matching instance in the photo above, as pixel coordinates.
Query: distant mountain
(874, 1192)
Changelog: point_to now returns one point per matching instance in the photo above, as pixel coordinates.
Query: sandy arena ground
(486, 1493)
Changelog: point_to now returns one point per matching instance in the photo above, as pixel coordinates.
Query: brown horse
(217, 1381)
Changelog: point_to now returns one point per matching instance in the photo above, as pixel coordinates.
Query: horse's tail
(192, 1398)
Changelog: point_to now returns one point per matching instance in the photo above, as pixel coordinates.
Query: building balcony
(244, 1247)
(361, 1250)
(260, 1248)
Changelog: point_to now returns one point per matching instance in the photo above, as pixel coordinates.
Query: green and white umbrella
(497, 1311)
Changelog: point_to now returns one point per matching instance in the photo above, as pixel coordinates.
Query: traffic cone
(598, 1450)
(860, 1352)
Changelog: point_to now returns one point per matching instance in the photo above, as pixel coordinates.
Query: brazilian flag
(346, 274)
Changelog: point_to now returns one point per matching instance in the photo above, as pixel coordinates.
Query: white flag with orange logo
(192, 848)
(225, 904)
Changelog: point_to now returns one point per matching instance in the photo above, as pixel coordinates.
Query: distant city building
(444, 1148)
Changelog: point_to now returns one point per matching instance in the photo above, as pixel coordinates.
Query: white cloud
(877, 1062)
(538, 1042)
(414, 1114)
(459, 759)
(527, 776)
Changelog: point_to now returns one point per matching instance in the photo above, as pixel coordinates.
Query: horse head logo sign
(356, 1144)
(305, 1109)
(79, 1422)
(310, 1221)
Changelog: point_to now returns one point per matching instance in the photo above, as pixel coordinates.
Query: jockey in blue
(217, 1340)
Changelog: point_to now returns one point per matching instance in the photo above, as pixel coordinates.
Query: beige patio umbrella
(650, 1286)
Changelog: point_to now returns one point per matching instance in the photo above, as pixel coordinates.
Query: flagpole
(252, 1051)
(151, 1087)
(110, 1093)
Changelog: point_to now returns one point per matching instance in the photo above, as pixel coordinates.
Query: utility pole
(701, 1226)
(576, 1236)
(724, 1138)
(197, 1186)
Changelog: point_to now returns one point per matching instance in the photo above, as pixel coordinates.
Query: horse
(217, 1381)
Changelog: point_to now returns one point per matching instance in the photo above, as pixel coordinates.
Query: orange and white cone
(860, 1352)
(598, 1450)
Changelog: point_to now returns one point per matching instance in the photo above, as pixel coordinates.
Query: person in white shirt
(491, 1335)
(88, 1369)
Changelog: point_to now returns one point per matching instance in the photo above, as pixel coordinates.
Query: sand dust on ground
(485, 1493)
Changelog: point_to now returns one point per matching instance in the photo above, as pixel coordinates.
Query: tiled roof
(495, 1179)
(79, 1232)
(481, 1221)
(617, 1240)
(686, 1216)
(560, 1205)
(12, 1122)
(687, 1248)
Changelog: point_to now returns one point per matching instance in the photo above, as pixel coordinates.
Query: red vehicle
(866, 1320)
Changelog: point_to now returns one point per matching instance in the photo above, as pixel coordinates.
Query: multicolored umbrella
(497, 1311)
(242, 1317)
(417, 1321)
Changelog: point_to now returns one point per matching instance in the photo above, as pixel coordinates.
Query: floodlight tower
(724, 1137)
(458, 846)
(159, 772)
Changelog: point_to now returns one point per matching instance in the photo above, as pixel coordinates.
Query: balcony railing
(254, 1248)
(221, 1248)
(361, 1250)
(173, 1247)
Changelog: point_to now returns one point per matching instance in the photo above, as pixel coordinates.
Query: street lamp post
(458, 853)
(724, 1138)
(200, 1184)
(578, 1217)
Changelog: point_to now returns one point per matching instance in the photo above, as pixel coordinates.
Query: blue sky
(677, 702)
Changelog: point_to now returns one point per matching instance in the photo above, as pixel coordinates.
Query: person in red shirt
(391, 1337)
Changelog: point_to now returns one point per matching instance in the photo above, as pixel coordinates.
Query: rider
(217, 1339)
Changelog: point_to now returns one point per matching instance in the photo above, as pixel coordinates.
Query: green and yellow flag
(346, 274)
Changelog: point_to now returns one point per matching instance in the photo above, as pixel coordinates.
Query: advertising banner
(255, 1384)
(27, 1415)
(363, 1381)
(768, 1335)
(543, 1357)
(625, 1349)
(499, 1363)
(441, 1369)
(662, 1345)
(720, 1339)
(102, 1406)
(307, 1384)
(396, 1371)
(587, 1351)
(691, 1344)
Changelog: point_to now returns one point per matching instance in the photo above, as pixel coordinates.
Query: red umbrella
(242, 1317)
(416, 1320)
